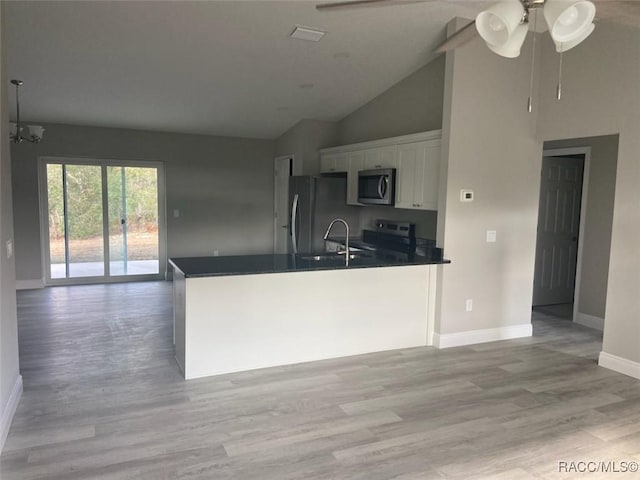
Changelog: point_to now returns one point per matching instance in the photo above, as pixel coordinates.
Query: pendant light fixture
(34, 132)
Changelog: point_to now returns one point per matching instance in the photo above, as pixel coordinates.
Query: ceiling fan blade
(364, 3)
(350, 3)
(461, 37)
(618, 11)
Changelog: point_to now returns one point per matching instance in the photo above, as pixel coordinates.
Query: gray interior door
(558, 226)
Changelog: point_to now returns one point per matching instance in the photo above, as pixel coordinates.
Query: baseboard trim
(10, 410)
(29, 284)
(619, 364)
(589, 321)
(472, 337)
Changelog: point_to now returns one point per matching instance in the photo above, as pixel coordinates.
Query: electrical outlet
(176, 213)
(469, 305)
(466, 195)
(215, 253)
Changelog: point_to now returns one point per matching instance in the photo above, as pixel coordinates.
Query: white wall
(489, 146)
(222, 186)
(412, 105)
(303, 141)
(601, 96)
(10, 380)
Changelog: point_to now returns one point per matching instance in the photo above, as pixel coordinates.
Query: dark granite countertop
(280, 263)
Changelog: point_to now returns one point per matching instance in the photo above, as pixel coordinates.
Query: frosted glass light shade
(564, 46)
(511, 49)
(36, 131)
(497, 24)
(568, 19)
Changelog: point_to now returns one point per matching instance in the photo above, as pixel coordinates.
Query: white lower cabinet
(417, 175)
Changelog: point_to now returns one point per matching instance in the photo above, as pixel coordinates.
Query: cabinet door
(333, 163)
(327, 163)
(381, 157)
(355, 161)
(428, 198)
(410, 174)
(418, 175)
(342, 163)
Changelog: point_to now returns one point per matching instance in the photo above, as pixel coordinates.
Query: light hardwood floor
(103, 399)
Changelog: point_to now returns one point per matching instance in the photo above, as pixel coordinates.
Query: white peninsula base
(231, 323)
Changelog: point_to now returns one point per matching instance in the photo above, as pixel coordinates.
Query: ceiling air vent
(307, 33)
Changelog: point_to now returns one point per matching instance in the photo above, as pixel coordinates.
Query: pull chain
(533, 61)
(559, 89)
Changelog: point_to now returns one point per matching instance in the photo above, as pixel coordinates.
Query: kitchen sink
(331, 257)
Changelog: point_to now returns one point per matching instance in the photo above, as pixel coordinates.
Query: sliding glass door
(134, 246)
(103, 222)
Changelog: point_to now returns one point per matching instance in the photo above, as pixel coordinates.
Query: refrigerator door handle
(294, 226)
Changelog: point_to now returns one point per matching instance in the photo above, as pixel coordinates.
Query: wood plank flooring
(103, 399)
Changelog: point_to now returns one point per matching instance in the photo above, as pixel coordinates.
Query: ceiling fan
(504, 26)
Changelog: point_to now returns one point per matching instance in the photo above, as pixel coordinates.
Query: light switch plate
(466, 195)
(176, 213)
(9, 249)
(491, 236)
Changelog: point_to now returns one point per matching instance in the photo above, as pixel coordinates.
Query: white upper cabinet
(333, 163)
(415, 157)
(418, 174)
(380, 157)
(355, 160)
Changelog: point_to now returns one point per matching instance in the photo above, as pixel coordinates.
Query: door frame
(275, 192)
(586, 151)
(43, 201)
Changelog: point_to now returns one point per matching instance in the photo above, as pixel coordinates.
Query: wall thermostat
(466, 195)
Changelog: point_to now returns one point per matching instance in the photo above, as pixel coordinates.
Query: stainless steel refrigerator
(313, 202)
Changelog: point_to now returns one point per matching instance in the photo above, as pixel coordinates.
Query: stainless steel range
(393, 239)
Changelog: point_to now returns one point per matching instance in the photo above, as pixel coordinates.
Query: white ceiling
(216, 67)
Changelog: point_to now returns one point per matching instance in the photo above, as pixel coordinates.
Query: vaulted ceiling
(213, 67)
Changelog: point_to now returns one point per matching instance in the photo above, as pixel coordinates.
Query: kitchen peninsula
(239, 313)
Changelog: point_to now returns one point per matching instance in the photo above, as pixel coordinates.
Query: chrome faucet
(346, 226)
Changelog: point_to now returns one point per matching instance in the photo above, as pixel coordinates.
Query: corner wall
(222, 186)
(601, 97)
(303, 141)
(489, 146)
(10, 379)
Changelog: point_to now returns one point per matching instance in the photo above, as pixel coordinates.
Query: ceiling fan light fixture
(568, 20)
(36, 132)
(511, 49)
(497, 24)
(564, 46)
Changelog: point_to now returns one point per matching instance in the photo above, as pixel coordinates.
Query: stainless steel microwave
(377, 187)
